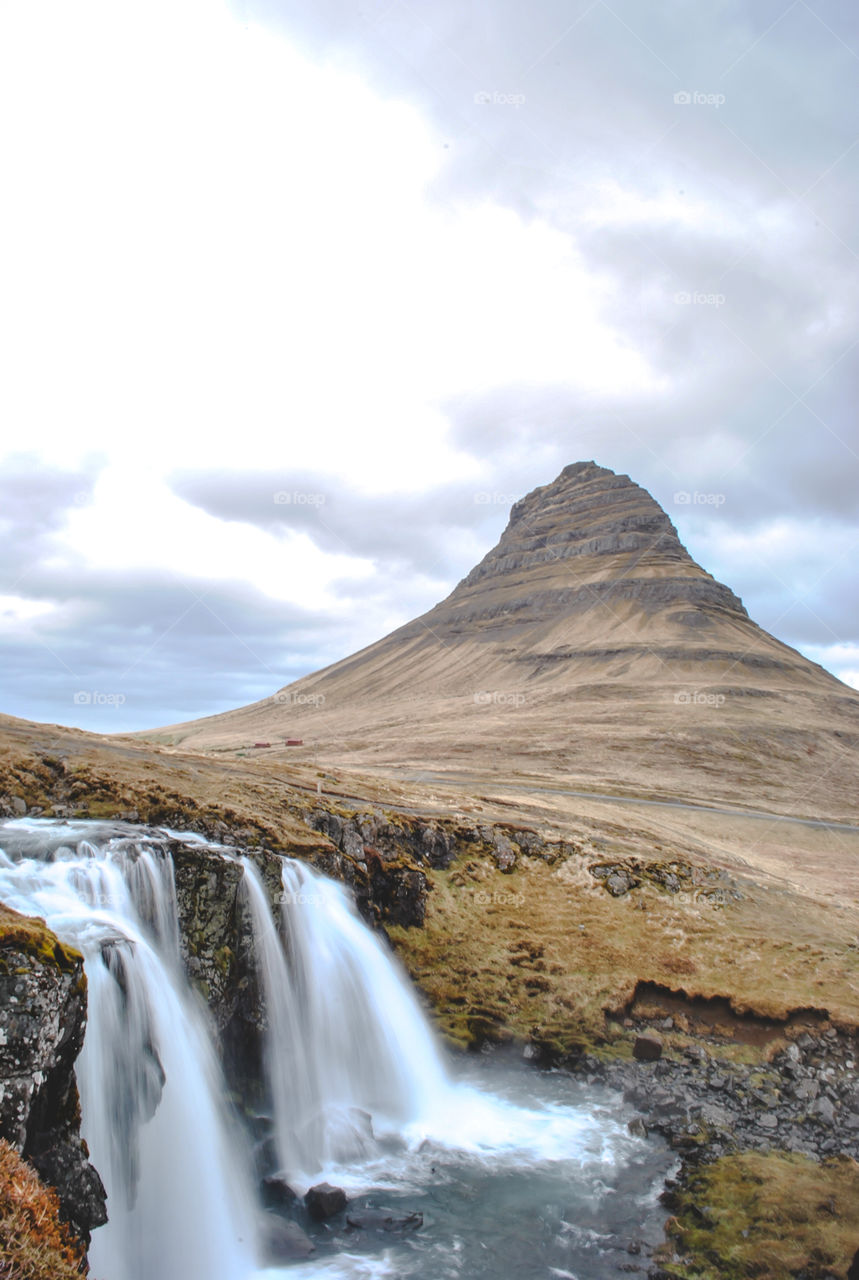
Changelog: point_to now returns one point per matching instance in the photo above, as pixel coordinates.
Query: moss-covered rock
(42, 1021)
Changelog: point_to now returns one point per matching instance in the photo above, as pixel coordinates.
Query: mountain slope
(586, 649)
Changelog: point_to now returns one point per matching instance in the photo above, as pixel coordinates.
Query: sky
(297, 297)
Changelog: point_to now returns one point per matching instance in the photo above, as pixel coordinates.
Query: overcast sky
(298, 296)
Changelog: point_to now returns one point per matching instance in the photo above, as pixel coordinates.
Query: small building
(262, 744)
(293, 742)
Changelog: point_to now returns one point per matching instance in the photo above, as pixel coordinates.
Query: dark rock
(42, 1022)
(853, 1269)
(384, 1220)
(323, 1201)
(266, 1156)
(284, 1241)
(647, 1048)
(216, 943)
(276, 1193)
(637, 1127)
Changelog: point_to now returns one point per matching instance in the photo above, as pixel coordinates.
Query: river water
(472, 1167)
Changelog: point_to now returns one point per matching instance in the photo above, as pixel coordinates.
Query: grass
(546, 954)
(34, 1243)
(772, 1216)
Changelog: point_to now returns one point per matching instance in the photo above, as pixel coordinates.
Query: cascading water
(348, 1043)
(359, 1089)
(151, 1089)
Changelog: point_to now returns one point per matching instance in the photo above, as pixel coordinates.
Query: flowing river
(471, 1167)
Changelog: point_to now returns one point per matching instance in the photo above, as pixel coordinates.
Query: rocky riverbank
(767, 1149)
(805, 1099)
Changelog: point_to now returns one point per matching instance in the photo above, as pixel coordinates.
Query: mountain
(587, 649)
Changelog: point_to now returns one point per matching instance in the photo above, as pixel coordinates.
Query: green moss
(756, 1215)
(32, 935)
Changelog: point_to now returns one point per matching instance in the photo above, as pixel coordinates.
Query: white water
(179, 1202)
(360, 1090)
(355, 1071)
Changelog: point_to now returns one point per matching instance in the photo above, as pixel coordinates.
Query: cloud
(414, 260)
(431, 533)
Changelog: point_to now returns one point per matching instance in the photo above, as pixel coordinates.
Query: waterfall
(179, 1203)
(359, 1089)
(350, 1055)
(353, 1067)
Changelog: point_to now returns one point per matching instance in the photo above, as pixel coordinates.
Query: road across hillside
(460, 780)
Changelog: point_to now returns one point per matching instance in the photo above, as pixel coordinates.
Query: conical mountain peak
(586, 646)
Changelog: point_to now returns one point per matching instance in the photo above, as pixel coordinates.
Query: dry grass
(774, 1216)
(546, 954)
(34, 1243)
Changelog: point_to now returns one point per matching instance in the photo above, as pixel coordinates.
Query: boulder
(647, 1048)
(323, 1201)
(284, 1241)
(276, 1193)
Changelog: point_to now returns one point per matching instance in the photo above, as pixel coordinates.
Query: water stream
(515, 1172)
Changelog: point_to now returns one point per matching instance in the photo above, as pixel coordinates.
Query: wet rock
(284, 1241)
(637, 1127)
(323, 1201)
(647, 1048)
(384, 1220)
(216, 944)
(265, 1156)
(42, 1022)
(276, 1193)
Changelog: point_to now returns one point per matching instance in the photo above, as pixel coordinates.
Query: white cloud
(221, 254)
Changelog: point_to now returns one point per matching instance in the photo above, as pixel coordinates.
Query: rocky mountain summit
(621, 544)
(589, 650)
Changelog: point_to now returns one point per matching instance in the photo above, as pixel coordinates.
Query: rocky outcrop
(42, 1021)
(383, 855)
(215, 942)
